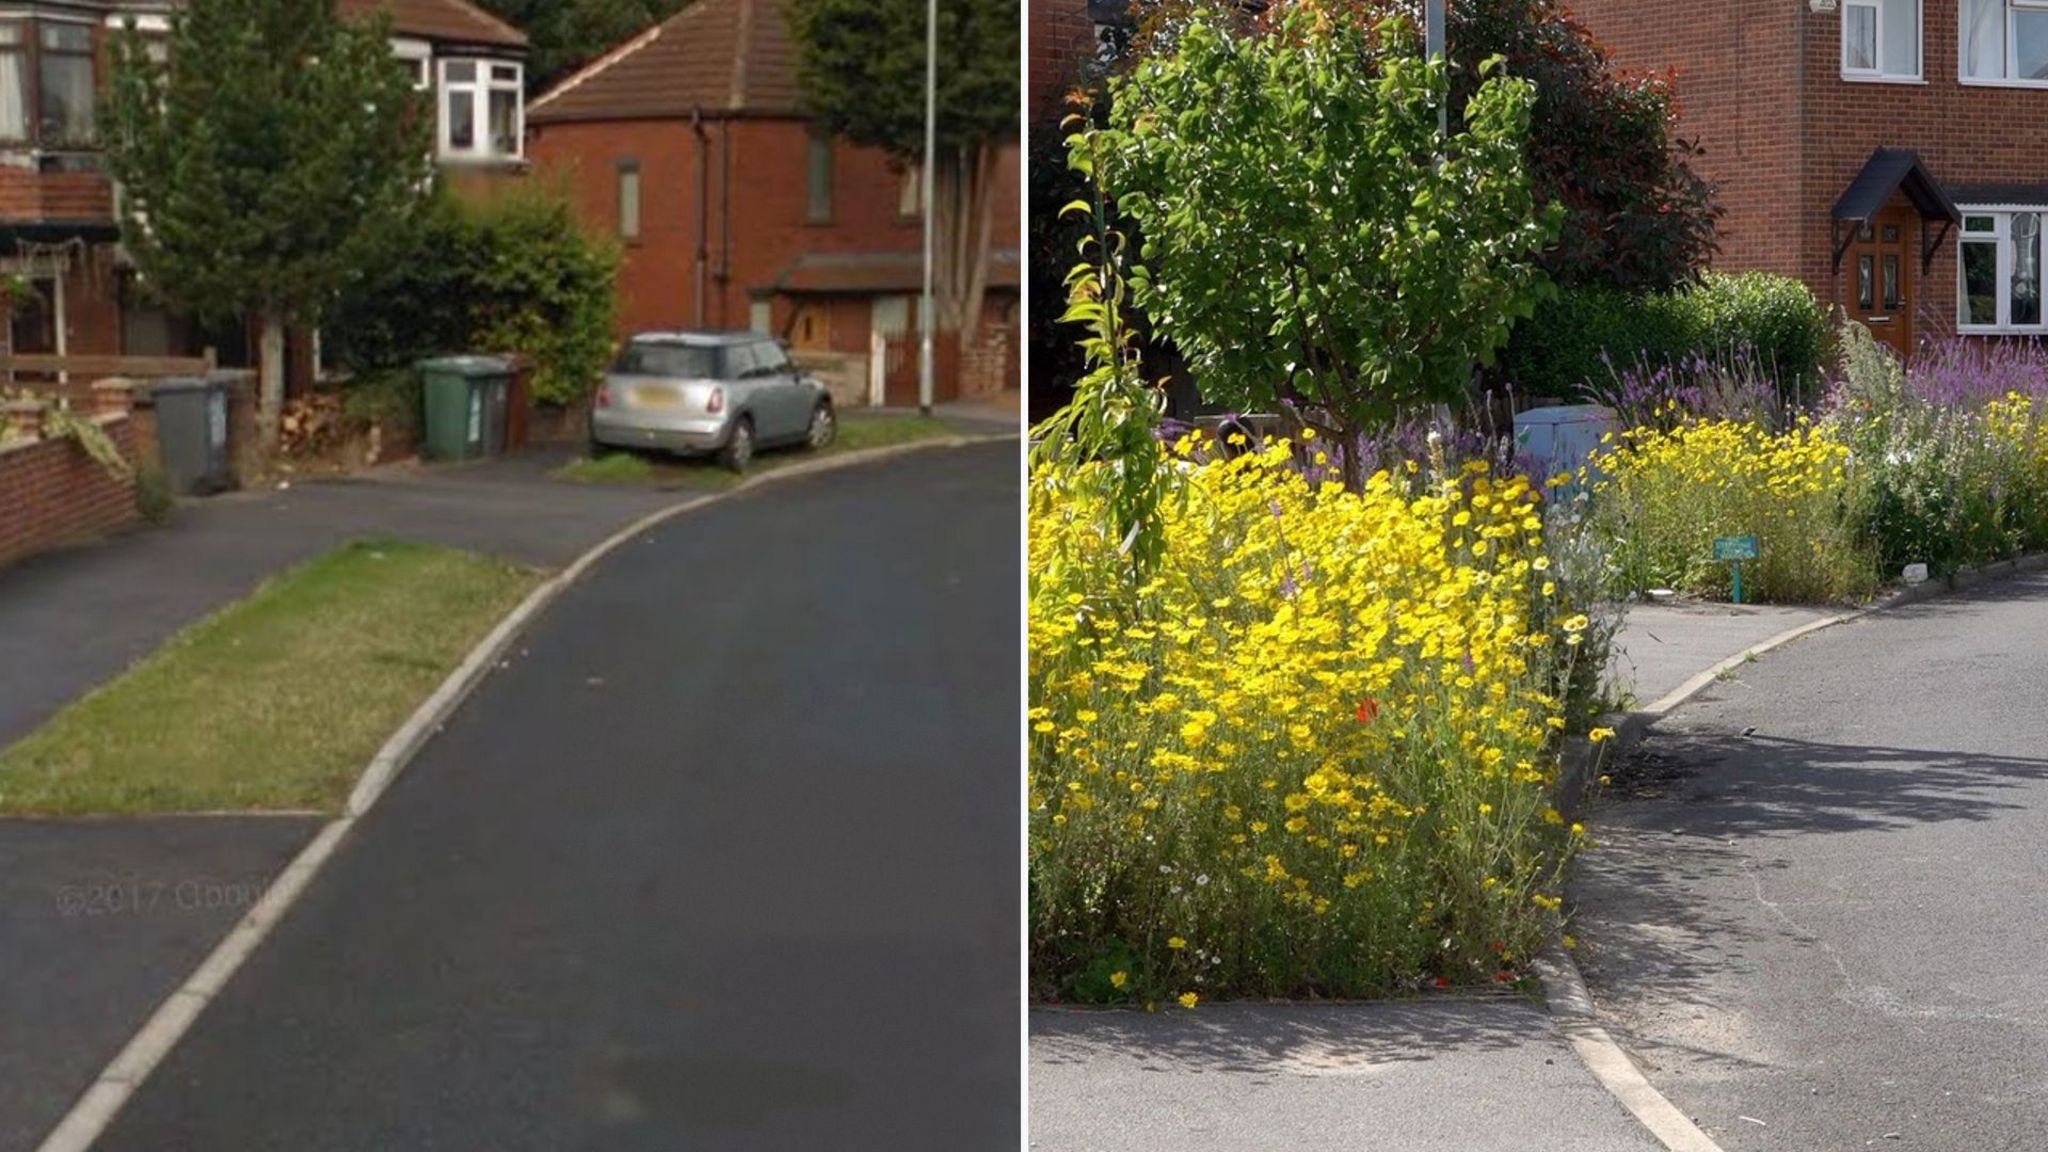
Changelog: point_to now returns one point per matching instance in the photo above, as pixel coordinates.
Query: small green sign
(1735, 548)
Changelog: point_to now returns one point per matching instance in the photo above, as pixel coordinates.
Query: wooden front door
(1878, 279)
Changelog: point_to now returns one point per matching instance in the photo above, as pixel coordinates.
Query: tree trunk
(270, 408)
(981, 201)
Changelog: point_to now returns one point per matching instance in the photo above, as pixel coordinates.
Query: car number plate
(645, 397)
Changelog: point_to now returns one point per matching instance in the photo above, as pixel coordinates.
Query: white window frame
(2011, 62)
(2001, 215)
(419, 56)
(479, 92)
(1878, 75)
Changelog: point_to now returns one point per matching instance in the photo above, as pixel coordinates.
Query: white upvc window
(418, 58)
(1998, 269)
(2003, 42)
(1881, 40)
(483, 109)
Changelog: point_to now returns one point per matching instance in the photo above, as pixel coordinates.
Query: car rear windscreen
(683, 361)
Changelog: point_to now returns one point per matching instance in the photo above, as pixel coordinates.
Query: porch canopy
(1891, 170)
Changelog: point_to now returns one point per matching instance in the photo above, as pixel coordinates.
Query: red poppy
(1368, 710)
(1442, 983)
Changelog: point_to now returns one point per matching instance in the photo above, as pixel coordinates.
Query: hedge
(1570, 339)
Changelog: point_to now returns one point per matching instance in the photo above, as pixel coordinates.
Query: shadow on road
(1698, 810)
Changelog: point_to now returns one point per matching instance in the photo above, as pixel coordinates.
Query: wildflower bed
(1943, 462)
(1311, 753)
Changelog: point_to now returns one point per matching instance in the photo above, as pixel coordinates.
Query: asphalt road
(725, 859)
(1829, 932)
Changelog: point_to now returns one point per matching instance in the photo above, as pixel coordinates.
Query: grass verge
(855, 433)
(274, 703)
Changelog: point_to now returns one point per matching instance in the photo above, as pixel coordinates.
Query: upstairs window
(1881, 39)
(48, 83)
(629, 201)
(14, 95)
(483, 113)
(819, 209)
(65, 85)
(2004, 41)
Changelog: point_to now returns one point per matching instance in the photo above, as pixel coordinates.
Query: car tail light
(716, 403)
(604, 396)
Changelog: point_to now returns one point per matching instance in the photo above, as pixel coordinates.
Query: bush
(389, 398)
(514, 275)
(1668, 493)
(1773, 318)
(1572, 344)
(1311, 755)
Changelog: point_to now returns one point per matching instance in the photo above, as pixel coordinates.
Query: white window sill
(1976, 82)
(1998, 330)
(480, 160)
(1875, 78)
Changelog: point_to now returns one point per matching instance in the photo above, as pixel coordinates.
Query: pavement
(725, 857)
(1441, 1075)
(1661, 646)
(1811, 914)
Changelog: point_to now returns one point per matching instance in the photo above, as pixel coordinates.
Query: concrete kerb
(1564, 987)
(101, 1102)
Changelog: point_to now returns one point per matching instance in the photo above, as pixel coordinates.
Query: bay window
(1998, 257)
(1881, 39)
(2004, 41)
(483, 114)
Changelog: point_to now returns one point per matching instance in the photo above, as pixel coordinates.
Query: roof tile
(723, 55)
(456, 21)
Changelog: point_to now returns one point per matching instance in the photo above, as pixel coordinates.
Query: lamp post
(1433, 48)
(931, 142)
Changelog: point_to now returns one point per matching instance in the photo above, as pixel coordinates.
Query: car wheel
(824, 426)
(739, 447)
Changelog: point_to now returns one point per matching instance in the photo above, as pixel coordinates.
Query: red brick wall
(29, 195)
(1061, 39)
(1760, 82)
(51, 492)
(1736, 70)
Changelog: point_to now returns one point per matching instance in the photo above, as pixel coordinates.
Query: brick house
(1888, 153)
(58, 228)
(690, 145)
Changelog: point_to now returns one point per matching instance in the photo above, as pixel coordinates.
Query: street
(726, 857)
(1813, 910)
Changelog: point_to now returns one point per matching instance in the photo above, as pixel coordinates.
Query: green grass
(657, 471)
(275, 703)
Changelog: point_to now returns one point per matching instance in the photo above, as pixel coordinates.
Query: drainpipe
(703, 206)
(724, 218)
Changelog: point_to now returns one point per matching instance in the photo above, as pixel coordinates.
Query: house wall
(757, 223)
(1062, 38)
(1759, 81)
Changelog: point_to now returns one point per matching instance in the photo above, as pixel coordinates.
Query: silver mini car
(728, 393)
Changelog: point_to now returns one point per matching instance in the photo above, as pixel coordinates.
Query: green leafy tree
(259, 167)
(862, 64)
(567, 34)
(1310, 237)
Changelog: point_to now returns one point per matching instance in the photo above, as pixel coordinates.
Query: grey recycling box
(192, 434)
